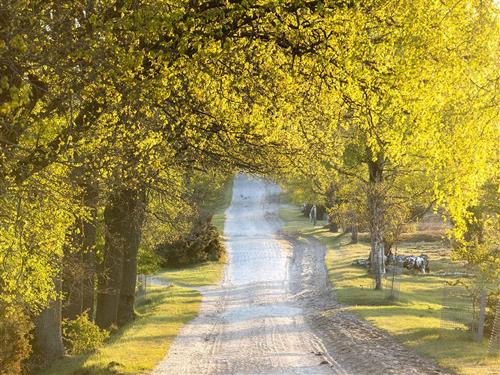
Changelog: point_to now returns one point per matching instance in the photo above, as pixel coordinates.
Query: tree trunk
(354, 233)
(72, 277)
(312, 215)
(332, 226)
(307, 209)
(387, 248)
(110, 273)
(375, 200)
(129, 273)
(47, 336)
(79, 273)
(483, 298)
(88, 298)
(121, 241)
(79, 259)
(330, 204)
(89, 237)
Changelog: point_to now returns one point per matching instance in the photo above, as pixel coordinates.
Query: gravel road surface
(274, 312)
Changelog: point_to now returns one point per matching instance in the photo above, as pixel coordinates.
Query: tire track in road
(275, 313)
(352, 345)
(249, 324)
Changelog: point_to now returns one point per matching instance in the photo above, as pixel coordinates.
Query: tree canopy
(114, 117)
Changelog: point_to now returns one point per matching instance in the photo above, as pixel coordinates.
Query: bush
(15, 328)
(81, 335)
(202, 244)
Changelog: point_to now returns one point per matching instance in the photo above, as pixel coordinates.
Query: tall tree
(383, 85)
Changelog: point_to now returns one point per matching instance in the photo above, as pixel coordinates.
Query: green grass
(140, 345)
(415, 319)
(203, 274)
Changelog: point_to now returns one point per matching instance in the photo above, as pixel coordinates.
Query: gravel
(274, 312)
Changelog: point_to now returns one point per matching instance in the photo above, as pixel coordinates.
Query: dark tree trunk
(47, 335)
(110, 273)
(129, 273)
(307, 209)
(354, 234)
(89, 283)
(72, 277)
(330, 204)
(332, 226)
(375, 200)
(121, 240)
(79, 259)
(387, 248)
(79, 274)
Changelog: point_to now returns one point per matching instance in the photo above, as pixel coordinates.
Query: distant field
(415, 318)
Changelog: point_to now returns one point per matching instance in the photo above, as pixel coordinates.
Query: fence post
(494, 344)
(482, 314)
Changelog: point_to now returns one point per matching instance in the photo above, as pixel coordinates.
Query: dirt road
(275, 313)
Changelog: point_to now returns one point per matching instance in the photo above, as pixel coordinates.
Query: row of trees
(112, 112)
(401, 115)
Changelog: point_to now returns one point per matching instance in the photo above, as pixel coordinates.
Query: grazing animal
(410, 262)
(361, 263)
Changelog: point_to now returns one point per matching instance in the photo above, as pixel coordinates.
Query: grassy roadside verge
(139, 346)
(415, 319)
(207, 273)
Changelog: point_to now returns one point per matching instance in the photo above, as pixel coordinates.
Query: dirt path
(275, 312)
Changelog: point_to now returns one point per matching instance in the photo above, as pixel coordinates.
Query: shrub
(81, 335)
(15, 328)
(202, 244)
